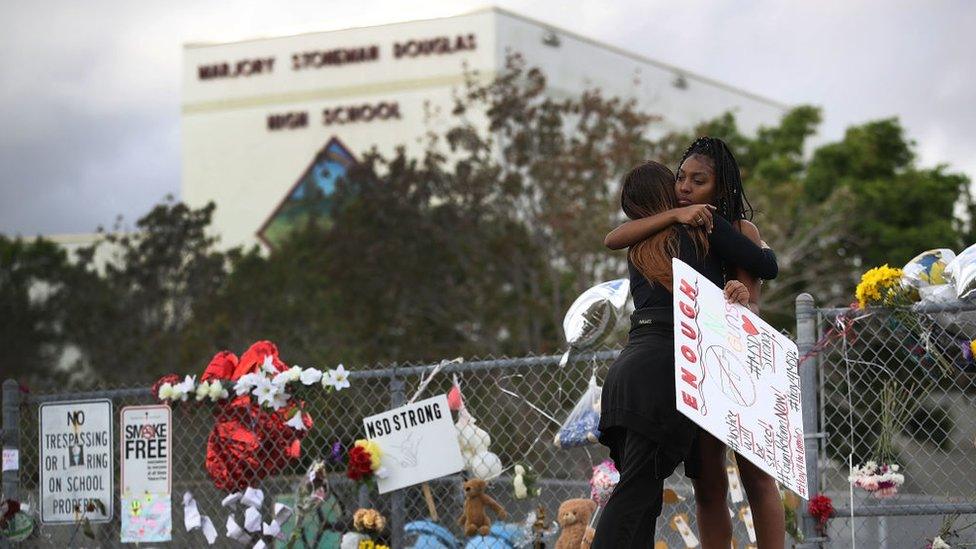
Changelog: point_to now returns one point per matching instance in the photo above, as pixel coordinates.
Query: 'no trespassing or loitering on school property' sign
(76, 465)
(737, 377)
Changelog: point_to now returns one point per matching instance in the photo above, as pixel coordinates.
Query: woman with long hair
(639, 422)
(709, 181)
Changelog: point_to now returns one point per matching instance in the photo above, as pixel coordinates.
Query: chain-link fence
(911, 369)
(519, 401)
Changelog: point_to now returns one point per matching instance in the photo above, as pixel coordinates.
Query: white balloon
(485, 465)
(471, 438)
(961, 272)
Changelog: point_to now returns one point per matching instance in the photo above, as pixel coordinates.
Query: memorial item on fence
(574, 519)
(146, 518)
(250, 528)
(882, 477)
(582, 426)
(193, 520)
(408, 445)
(593, 315)
(927, 268)
(365, 462)
(524, 483)
(737, 377)
(259, 418)
(16, 524)
(821, 508)
(477, 503)
(880, 480)
(473, 443)
(368, 520)
(680, 524)
(961, 273)
(605, 476)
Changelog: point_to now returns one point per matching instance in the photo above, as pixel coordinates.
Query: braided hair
(732, 202)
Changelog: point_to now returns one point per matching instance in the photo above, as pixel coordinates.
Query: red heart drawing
(748, 326)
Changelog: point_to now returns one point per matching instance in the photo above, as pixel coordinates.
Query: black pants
(630, 516)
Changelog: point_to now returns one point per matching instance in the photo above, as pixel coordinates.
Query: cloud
(90, 99)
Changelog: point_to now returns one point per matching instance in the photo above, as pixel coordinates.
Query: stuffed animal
(475, 520)
(574, 520)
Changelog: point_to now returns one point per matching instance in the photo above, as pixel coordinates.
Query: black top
(725, 244)
(638, 393)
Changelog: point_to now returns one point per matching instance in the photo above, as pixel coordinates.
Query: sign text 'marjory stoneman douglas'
(317, 59)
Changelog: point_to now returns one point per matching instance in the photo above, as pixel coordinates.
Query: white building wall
(231, 157)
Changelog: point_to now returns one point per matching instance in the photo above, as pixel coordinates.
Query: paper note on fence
(418, 443)
(737, 377)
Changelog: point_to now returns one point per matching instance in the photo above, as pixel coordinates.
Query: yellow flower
(878, 285)
(374, 452)
(972, 347)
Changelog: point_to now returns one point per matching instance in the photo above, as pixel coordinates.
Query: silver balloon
(957, 324)
(594, 313)
(927, 268)
(961, 272)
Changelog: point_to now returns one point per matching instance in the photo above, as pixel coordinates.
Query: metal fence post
(806, 337)
(11, 436)
(397, 503)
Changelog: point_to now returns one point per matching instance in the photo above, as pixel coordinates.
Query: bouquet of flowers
(364, 462)
(881, 480)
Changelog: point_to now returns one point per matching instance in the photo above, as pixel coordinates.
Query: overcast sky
(90, 95)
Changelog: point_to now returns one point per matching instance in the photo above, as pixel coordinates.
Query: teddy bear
(475, 520)
(574, 520)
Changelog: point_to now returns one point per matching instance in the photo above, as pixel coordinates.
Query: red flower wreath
(247, 442)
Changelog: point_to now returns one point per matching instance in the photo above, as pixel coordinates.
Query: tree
(900, 209)
(129, 319)
(32, 275)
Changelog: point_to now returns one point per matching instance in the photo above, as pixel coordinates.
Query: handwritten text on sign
(418, 443)
(737, 377)
(76, 466)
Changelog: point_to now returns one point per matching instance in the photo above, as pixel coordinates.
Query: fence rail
(851, 359)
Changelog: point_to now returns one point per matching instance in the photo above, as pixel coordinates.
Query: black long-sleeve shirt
(725, 244)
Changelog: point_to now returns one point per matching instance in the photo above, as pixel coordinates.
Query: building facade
(269, 124)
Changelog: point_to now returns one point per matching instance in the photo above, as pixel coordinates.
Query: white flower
(165, 391)
(296, 421)
(182, 390)
(337, 379)
(280, 399)
(310, 376)
(217, 391)
(264, 391)
(268, 366)
(203, 390)
(938, 543)
(247, 382)
(291, 374)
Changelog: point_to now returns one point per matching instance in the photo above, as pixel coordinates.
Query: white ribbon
(272, 529)
(231, 500)
(252, 520)
(235, 532)
(192, 519)
(253, 497)
(191, 514)
(281, 513)
(260, 544)
(209, 531)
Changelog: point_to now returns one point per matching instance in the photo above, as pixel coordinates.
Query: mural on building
(310, 199)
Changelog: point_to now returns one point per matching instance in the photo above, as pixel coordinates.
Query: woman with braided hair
(639, 422)
(709, 183)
